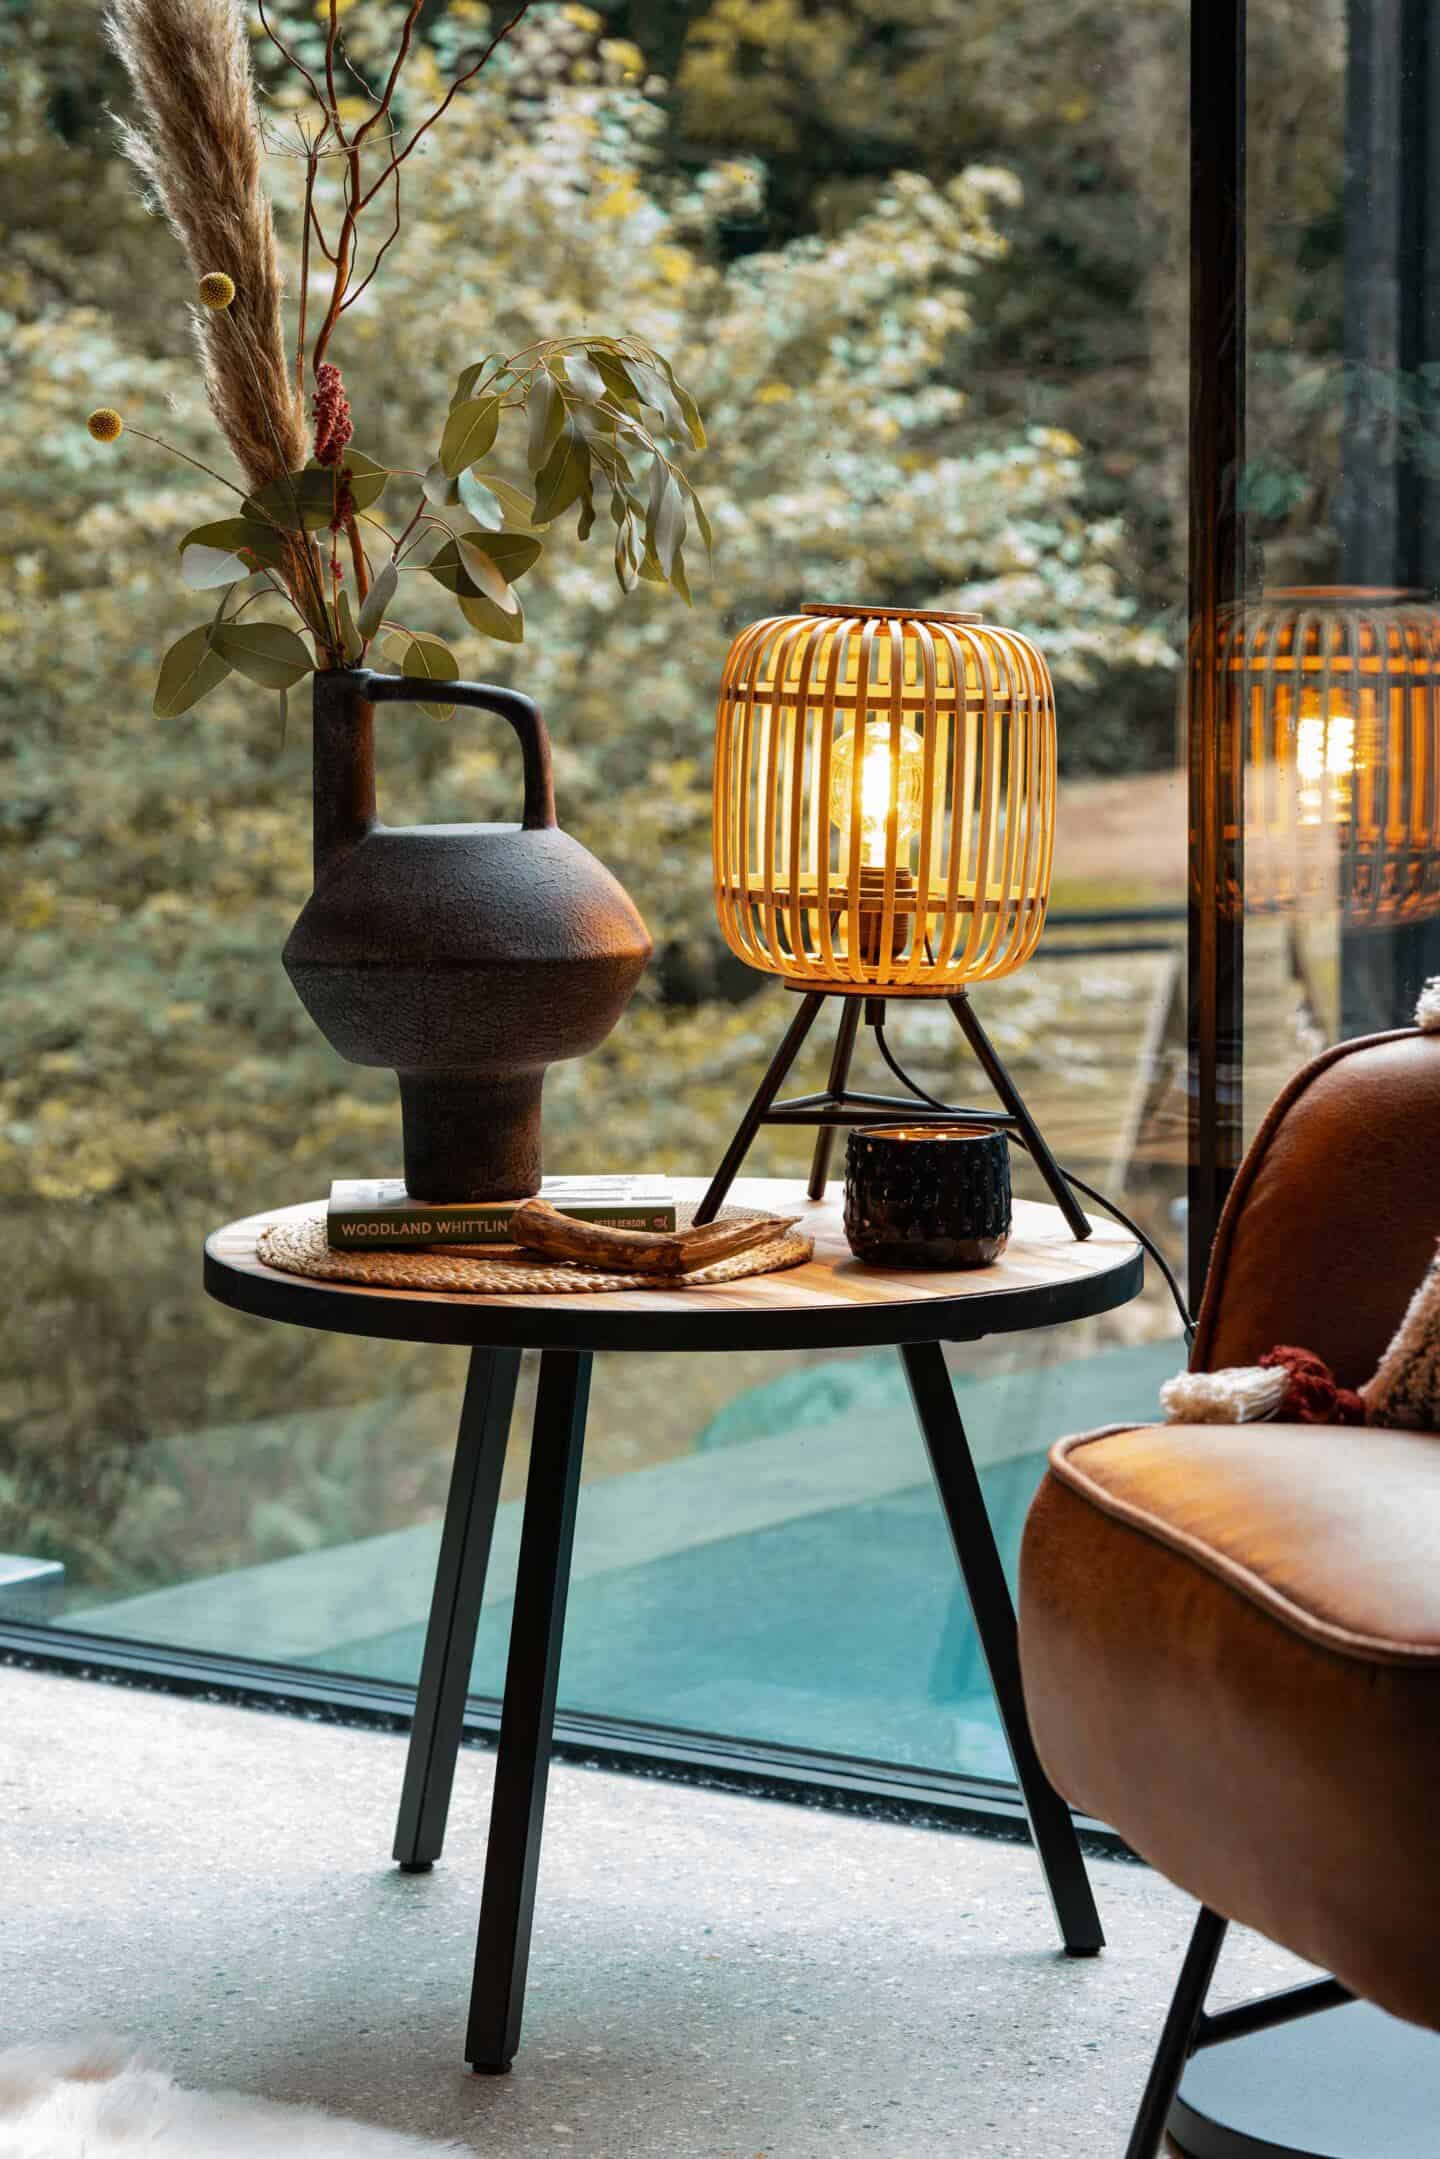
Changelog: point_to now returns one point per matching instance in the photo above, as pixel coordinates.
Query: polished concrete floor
(713, 1977)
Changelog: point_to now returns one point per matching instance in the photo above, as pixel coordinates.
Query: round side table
(1044, 1278)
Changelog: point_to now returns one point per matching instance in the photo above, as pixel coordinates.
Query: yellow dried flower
(105, 423)
(216, 289)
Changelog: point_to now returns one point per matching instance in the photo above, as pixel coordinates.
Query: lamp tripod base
(839, 1105)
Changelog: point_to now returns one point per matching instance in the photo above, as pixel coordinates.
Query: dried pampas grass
(198, 146)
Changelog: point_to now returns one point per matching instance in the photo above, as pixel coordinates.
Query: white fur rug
(98, 2097)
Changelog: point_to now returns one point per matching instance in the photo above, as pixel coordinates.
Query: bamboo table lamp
(1338, 695)
(884, 815)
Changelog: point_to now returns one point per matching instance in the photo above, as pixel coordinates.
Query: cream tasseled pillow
(1406, 1389)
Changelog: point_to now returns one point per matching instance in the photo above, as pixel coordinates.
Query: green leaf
(563, 479)
(513, 553)
(483, 573)
(690, 411)
(466, 380)
(264, 652)
(238, 535)
(480, 499)
(515, 504)
(619, 388)
(469, 433)
(377, 599)
(491, 621)
(367, 479)
(188, 672)
(546, 408)
(202, 567)
(427, 656)
(701, 520)
(351, 642)
(582, 375)
(627, 541)
(305, 501)
(679, 581)
(655, 391)
(665, 524)
(439, 490)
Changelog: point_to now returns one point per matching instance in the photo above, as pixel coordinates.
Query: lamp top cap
(885, 614)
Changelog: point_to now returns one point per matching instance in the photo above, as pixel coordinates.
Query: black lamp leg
(850, 1010)
(1177, 2040)
(765, 1094)
(1026, 1128)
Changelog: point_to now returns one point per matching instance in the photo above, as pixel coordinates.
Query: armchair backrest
(1335, 1212)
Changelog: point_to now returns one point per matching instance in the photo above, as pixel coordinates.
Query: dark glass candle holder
(927, 1195)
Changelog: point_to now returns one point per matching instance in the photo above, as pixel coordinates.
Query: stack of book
(377, 1214)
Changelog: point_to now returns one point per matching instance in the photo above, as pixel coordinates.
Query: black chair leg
(1177, 2039)
(994, 1615)
(517, 1812)
(455, 1607)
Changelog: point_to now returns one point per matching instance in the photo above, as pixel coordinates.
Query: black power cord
(1017, 1139)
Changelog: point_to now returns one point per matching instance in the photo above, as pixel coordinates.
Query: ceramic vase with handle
(467, 958)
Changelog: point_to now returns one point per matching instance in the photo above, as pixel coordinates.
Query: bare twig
(291, 58)
(380, 253)
(401, 56)
(444, 105)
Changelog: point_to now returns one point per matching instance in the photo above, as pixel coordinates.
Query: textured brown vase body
(467, 958)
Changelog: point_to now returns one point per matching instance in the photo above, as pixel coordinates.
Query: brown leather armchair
(1230, 1635)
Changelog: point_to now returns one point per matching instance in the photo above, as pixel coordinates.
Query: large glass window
(928, 280)
(1334, 648)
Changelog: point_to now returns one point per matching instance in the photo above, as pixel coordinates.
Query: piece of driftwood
(539, 1227)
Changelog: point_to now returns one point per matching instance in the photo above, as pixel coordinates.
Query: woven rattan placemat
(297, 1245)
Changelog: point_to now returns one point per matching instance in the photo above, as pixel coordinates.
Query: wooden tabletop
(832, 1302)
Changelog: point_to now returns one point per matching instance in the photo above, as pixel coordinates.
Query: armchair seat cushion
(1230, 1638)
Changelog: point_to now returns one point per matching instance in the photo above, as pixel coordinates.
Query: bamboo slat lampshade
(1338, 694)
(884, 799)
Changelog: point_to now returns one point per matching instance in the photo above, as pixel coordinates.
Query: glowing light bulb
(879, 765)
(1324, 759)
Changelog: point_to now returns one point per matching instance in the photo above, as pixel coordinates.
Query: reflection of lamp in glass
(883, 827)
(1324, 760)
(1335, 694)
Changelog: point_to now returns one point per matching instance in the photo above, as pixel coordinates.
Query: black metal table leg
(517, 1812)
(1176, 2039)
(994, 1616)
(765, 1094)
(455, 1606)
(850, 1011)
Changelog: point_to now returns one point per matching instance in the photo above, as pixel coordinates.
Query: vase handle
(522, 712)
